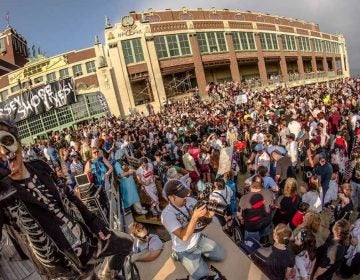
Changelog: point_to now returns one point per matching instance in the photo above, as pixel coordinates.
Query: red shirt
(298, 218)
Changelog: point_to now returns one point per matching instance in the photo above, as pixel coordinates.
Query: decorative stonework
(214, 15)
(185, 15)
(208, 25)
(151, 17)
(171, 26)
(240, 25)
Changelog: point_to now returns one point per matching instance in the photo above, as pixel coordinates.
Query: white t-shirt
(153, 243)
(226, 193)
(314, 200)
(172, 219)
(147, 176)
(303, 266)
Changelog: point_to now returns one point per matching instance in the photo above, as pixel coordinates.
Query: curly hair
(290, 187)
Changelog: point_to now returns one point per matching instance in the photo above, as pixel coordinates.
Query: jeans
(355, 195)
(193, 261)
(258, 234)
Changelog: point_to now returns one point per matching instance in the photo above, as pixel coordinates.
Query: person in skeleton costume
(52, 226)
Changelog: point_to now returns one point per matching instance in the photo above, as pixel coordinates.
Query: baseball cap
(7, 121)
(259, 147)
(176, 187)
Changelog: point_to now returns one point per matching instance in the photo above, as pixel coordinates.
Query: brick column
(334, 64)
(283, 66)
(261, 61)
(313, 63)
(313, 56)
(234, 67)
(325, 65)
(299, 60)
(199, 67)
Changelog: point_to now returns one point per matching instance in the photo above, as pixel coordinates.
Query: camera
(212, 206)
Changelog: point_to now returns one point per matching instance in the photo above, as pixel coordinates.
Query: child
(332, 193)
(299, 215)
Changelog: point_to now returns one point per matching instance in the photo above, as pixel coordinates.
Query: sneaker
(142, 212)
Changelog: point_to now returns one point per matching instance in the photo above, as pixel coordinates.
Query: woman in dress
(128, 190)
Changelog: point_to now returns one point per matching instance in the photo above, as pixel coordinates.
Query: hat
(7, 121)
(259, 147)
(176, 187)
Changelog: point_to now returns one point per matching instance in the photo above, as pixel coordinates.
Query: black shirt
(330, 255)
(274, 262)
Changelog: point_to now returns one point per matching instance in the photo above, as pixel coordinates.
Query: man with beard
(55, 229)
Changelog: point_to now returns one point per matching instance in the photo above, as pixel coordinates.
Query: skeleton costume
(52, 226)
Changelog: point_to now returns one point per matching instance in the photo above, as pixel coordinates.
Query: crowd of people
(295, 161)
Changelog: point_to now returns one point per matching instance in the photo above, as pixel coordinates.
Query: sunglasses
(95, 152)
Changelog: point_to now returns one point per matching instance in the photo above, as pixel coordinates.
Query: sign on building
(39, 100)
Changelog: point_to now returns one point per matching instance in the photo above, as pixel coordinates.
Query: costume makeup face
(8, 144)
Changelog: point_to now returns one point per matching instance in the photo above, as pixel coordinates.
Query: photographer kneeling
(184, 221)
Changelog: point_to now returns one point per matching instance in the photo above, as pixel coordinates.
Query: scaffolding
(179, 85)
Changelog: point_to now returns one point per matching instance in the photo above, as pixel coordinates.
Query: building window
(3, 95)
(90, 67)
(317, 45)
(221, 41)
(160, 46)
(49, 119)
(288, 42)
(184, 44)
(243, 41)
(136, 44)
(15, 88)
(35, 124)
(51, 77)
(215, 42)
(2, 45)
(172, 46)
(132, 50)
(327, 46)
(79, 108)
(77, 70)
(64, 73)
(23, 129)
(94, 104)
(304, 44)
(201, 37)
(268, 41)
(38, 79)
(64, 115)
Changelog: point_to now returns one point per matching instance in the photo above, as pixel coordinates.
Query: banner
(39, 100)
(241, 99)
(225, 161)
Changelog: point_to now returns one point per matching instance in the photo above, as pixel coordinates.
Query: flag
(7, 17)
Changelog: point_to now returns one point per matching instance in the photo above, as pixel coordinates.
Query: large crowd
(293, 183)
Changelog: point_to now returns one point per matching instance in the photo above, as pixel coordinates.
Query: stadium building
(152, 56)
